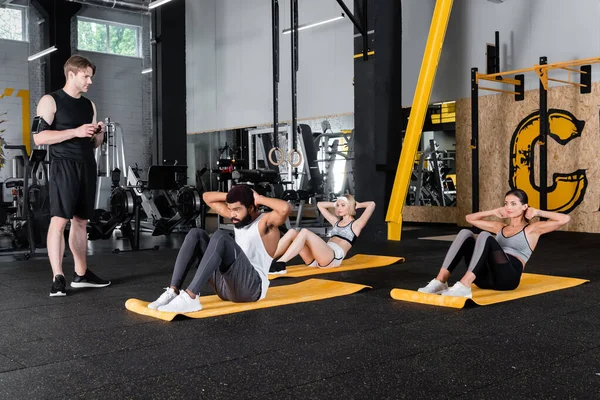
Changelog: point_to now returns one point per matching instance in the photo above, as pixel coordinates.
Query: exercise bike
(28, 216)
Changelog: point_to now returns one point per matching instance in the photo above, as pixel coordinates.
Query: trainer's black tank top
(72, 113)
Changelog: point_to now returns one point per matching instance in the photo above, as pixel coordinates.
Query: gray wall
(561, 30)
(416, 17)
(229, 63)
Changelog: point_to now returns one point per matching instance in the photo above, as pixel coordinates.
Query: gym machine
(122, 206)
(329, 151)
(164, 198)
(179, 205)
(110, 159)
(430, 185)
(226, 163)
(26, 204)
(182, 203)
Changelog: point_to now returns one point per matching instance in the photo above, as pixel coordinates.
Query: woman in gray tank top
(495, 262)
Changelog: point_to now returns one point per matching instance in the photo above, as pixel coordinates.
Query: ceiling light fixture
(41, 53)
(157, 3)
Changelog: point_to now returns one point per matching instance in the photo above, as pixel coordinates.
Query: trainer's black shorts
(72, 188)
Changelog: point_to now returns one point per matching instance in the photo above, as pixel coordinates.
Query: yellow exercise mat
(359, 261)
(310, 290)
(531, 284)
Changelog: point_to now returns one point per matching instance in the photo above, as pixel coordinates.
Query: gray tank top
(516, 245)
(344, 232)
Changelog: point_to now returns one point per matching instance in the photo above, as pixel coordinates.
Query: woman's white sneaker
(434, 287)
(164, 299)
(459, 290)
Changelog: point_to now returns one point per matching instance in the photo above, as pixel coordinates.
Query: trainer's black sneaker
(89, 279)
(277, 268)
(59, 286)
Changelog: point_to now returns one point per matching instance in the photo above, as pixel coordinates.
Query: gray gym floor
(366, 345)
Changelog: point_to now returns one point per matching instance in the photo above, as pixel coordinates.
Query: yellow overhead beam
(494, 79)
(566, 64)
(489, 77)
(541, 70)
(431, 57)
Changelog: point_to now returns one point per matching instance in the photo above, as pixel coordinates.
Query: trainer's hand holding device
(99, 129)
(86, 131)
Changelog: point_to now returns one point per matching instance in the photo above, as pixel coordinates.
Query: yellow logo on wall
(567, 190)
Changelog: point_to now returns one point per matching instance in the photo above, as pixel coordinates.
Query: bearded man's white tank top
(249, 239)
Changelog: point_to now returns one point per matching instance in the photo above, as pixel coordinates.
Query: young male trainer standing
(67, 123)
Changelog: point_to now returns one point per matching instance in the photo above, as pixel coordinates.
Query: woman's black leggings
(493, 268)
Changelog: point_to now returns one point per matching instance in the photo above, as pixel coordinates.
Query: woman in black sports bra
(495, 263)
(315, 251)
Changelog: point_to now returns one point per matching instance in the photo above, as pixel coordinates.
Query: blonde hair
(77, 63)
(351, 203)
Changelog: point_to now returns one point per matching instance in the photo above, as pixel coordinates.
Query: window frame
(108, 25)
(24, 22)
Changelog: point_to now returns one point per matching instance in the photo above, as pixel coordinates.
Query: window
(13, 23)
(105, 37)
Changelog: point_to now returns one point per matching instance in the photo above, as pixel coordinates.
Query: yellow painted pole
(25, 115)
(431, 57)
